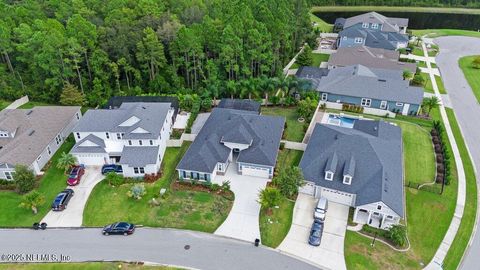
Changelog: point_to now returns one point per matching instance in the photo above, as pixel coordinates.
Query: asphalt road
(467, 110)
(165, 246)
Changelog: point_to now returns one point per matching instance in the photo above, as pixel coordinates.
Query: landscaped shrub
(152, 177)
(226, 185)
(352, 108)
(32, 201)
(289, 180)
(398, 235)
(137, 191)
(24, 179)
(215, 187)
(269, 197)
(114, 179)
(274, 99)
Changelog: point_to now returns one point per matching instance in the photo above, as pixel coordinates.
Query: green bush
(24, 179)
(289, 180)
(398, 235)
(137, 191)
(114, 179)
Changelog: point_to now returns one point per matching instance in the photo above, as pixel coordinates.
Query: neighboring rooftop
(363, 82)
(240, 104)
(263, 133)
(138, 120)
(139, 156)
(312, 74)
(116, 102)
(32, 130)
(389, 24)
(369, 57)
(374, 38)
(370, 152)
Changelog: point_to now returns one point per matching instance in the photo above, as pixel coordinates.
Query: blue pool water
(341, 121)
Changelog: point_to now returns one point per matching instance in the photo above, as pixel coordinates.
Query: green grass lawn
(318, 58)
(294, 131)
(441, 87)
(321, 24)
(183, 209)
(421, 64)
(417, 51)
(274, 227)
(471, 74)
(433, 33)
(428, 83)
(32, 104)
(52, 182)
(4, 104)
(395, 8)
(460, 242)
(81, 266)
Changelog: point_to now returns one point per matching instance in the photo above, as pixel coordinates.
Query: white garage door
(337, 196)
(308, 188)
(255, 171)
(91, 159)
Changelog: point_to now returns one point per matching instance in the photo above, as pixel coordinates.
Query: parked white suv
(321, 209)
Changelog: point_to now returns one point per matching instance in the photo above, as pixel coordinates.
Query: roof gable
(130, 122)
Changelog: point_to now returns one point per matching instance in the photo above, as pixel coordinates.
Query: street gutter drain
(186, 247)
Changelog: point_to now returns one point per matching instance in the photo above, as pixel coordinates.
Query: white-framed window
(366, 102)
(324, 96)
(140, 142)
(9, 175)
(129, 142)
(383, 104)
(358, 40)
(374, 25)
(389, 217)
(347, 179)
(220, 166)
(329, 175)
(119, 136)
(365, 25)
(151, 142)
(78, 117)
(379, 207)
(138, 170)
(135, 170)
(399, 104)
(39, 157)
(107, 135)
(48, 150)
(142, 170)
(78, 135)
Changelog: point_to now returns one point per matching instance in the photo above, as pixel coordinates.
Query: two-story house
(133, 135)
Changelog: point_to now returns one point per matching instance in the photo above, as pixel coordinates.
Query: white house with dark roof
(134, 135)
(233, 137)
(360, 167)
(31, 137)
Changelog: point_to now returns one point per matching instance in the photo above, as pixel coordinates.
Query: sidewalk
(442, 251)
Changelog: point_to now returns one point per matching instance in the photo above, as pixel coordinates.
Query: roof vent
(382, 80)
(143, 107)
(29, 112)
(31, 133)
(375, 128)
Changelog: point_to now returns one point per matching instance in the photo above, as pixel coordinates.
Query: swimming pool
(342, 121)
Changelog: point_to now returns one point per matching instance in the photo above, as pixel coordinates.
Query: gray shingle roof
(139, 156)
(375, 147)
(240, 104)
(369, 57)
(96, 145)
(389, 24)
(311, 72)
(375, 38)
(363, 82)
(206, 151)
(151, 118)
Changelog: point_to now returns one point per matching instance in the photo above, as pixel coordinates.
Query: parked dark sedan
(124, 228)
(316, 233)
(108, 168)
(62, 199)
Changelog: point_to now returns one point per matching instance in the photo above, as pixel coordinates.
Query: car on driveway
(108, 168)
(124, 228)
(75, 175)
(321, 208)
(316, 233)
(62, 199)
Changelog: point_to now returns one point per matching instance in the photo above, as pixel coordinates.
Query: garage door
(255, 171)
(308, 188)
(91, 159)
(337, 196)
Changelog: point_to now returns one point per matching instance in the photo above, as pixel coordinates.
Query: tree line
(132, 47)
(415, 3)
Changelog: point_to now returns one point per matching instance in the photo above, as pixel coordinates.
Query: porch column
(355, 214)
(382, 225)
(369, 216)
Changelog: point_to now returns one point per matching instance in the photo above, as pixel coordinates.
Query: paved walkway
(419, 58)
(242, 221)
(294, 145)
(439, 256)
(72, 216)
(164, 246)
(467, 111)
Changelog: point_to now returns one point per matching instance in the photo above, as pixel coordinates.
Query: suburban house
(371, 88)
(230, 137)
(240, 104)
(312, 74)
(133, 135)
(369, 57)
(360, 167)
(31, 137)
(373, 30)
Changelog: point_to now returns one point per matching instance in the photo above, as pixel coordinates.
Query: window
(347, 179)
(329, 176)
(39, 157)
(107, 135)
(48, 150)
(365, 25)
(379, 207)
(9, 175)
(151, 142)
(135, 170)
(140, 142)
(399, 104)
(383, 104)
(78, 135)
(142, 170)
(389, 217)
(119, 136)
(129, 142)
(58, 139)
(366, 102)
(184, 174)
(324, 96)
(358, 40)
(220, 166)
(374, 25)
(78, 117)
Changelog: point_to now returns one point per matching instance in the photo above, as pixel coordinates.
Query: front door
(406, 107)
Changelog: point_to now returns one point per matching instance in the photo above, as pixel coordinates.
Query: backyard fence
(435, 188)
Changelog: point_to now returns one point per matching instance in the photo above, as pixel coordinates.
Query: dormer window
(379, 207)
(329, 175)
(365, 25)
(358, 40)
(347, 179)
(375, 26)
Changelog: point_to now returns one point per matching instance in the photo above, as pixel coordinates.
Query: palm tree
(430, 103)
(269, 197)
(66, 161)
(32, 201)
(407, 74)
(231, 87)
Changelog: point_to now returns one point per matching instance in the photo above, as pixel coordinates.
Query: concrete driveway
(72, 216)
(329, 255)
(242, 222)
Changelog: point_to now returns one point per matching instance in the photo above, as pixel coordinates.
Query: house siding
(185, 174)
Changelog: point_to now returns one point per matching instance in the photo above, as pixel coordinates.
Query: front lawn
(317, 58)
(294, 131)
(471, 74)
(183, 209)
(433, 33)
(274, 227)
(52, 182)
(83, 266)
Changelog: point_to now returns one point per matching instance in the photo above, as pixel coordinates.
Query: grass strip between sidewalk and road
(471, 73)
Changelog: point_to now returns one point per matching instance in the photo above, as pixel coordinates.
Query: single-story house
(240, 104)
(382, 89)
(240, 138)
(360, 167)
(31, 137)
(133, 135)
(369, 57)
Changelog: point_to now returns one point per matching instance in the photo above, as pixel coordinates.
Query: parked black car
(124, 228)
(108, 168)
(316, 233)
(62, 199)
